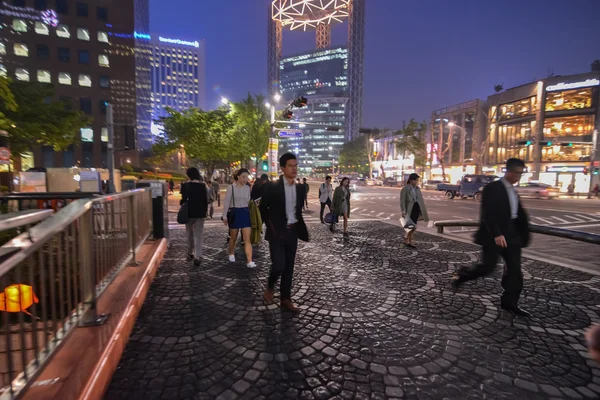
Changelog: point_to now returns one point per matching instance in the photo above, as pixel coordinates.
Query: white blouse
(241, 197)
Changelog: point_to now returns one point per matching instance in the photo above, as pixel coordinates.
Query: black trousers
(328, 204)
(512, 280)
(283, 256)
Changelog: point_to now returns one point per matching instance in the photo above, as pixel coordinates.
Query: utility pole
(110, 148)
(592, 161)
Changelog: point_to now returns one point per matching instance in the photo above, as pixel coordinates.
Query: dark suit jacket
(272, 209)
(196, 195)
(495, 218)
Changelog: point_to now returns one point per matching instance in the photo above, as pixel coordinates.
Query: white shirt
(290, 201)
(513, 199)
(326, 192)
(241, 197)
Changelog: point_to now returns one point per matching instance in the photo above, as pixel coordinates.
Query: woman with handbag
(237, 215)
(194, 199)
(341, 203)
(413, 208)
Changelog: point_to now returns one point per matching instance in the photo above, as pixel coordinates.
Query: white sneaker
(232, 258)
(251, 264)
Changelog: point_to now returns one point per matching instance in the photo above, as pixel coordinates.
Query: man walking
(306, 189)
(281, 208)
(503, 231)
(325, 196)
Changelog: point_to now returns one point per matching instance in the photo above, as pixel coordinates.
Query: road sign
(289, 134)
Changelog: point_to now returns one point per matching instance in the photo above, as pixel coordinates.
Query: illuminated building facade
(322, 77)
(177, 74)
(88, 52)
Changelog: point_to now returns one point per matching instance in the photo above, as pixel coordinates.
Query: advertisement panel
(273, 157)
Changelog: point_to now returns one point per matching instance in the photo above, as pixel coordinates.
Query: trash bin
(160, 206)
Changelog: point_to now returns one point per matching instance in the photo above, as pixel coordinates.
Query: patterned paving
(378, 321)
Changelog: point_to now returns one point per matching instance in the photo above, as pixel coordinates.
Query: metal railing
(55, 273)
(542, 230)
(45, 200)
(23, 219)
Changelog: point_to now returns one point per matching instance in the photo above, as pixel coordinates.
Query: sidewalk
(377, 321)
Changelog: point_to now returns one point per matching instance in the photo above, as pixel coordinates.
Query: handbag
(330, 218)
(407, 223)
(182, 214)
(230, 211)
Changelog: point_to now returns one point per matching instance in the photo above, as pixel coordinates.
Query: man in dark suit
(503, 231)
(281, 208)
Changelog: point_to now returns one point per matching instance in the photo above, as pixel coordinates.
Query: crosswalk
(565, 219)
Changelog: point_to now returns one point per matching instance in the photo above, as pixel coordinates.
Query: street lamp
(224, 101)
(277, 97)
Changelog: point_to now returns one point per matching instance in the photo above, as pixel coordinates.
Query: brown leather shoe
(289, 305)
(268, 296)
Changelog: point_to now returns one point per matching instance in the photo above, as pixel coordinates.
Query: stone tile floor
(378, 321)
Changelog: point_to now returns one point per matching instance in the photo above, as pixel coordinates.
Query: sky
(420, 55)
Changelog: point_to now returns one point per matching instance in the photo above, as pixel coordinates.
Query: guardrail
(19, 201)
(542, 230)
(55, 273)
(23, 218)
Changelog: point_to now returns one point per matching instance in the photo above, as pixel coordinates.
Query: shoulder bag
(231, 211)
(182, 215)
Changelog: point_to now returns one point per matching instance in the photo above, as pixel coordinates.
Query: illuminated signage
(49, 17)
(296, 134)
(573, 85)
(524, 169)
(141, 36)
(178, 41)
(565, 168)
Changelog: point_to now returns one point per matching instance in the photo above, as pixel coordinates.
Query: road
(383, 203)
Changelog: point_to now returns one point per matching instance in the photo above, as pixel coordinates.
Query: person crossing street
(325, 196)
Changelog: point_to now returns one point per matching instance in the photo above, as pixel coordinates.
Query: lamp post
(369, 151)
(271, 151)
(333, 159)
(593, 157)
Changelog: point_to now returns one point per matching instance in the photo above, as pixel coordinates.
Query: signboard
(565, 168)
(573, 85)
(48, 17)
(290, 134)
(273, 157)
(461, 106)
(32, 182)
(4, 156)
(89, 181)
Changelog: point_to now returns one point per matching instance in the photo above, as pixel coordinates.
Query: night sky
(420, 55)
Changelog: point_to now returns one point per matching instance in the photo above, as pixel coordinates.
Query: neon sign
(179, 41)
(49, 17)
(141, 36)
(574, 85)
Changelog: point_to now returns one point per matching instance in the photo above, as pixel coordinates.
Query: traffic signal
(524, 142)
(548, 143)
(566, 144)
(265, 166)
(288, 115)
(300, 102)
(596, 170)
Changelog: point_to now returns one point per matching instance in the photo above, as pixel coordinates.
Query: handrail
(22, 218)
(533, 228)
(48, 195)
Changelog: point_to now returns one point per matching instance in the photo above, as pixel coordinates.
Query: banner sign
(290, 134)
(273, 157)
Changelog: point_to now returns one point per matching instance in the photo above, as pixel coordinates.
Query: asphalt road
(383, 203)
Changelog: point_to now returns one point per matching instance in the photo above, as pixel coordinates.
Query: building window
(517, 109)
(85, 105)
(64, 54)
(82, 9)
(102, 37)
(21, 50)
(83, 34)
(41, 5)
(18, 3)
(3, 71)
(104, 82)
(67, 104)
(2, 48)
(103, 60)
(62, 6)
(85, 80)
(19, 25)
(63, 31)
(41, 28)
(42, 52)
(102, 13)
(569, 99)
(87, 134)
(84, 57)
(44, 76)
(104, 134)
(22, 74)
(64, 78)
(568, 127)
(102, 106)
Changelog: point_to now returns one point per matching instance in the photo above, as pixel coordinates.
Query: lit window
(104, 134)
(43, 76)
(2, 48)
(2, 70)
(85, 80)
(21, 50)
(41, 28)
(87, 135)
(64, 78)
(22, 74)
(19, 25)
(103, 60)
(63, 31)
(102, 37)
(83, 34)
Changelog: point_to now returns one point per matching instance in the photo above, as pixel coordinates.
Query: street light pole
(592, 161)
(110, 148)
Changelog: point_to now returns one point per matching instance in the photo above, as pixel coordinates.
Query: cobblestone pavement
(378, 321)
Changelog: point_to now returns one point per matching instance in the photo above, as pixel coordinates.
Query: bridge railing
(54, 273)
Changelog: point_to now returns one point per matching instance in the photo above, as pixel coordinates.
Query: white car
(537, 190)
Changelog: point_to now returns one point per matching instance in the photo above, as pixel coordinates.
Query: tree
(410, 139)
(39, 119)
(252, 127)
(498, 88)
(7, 103)
(355, 153)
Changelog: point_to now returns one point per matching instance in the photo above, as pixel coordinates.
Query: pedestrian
(237, 215)
(171, 186)
(503, 231)
(195, 194)
(281, 206)
(306, 189)
(325, 196)
(571, 189)
(216, 191)
(341, 203)
(259, 187)
(596, 190)
(592, 337)
(412, 206)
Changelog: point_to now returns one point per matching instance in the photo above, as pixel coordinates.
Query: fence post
(132, 228)
(87, 270)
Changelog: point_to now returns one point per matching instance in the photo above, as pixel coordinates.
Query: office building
(322, 77)
(88, 52)
(177, 75)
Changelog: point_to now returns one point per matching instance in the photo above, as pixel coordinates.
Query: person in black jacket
(503, 231)
(259, 187)
(195, 194)
(281, 207)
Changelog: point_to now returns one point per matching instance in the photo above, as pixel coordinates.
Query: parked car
(362, 182)
(470, 186)
(390, 182)
(537, 190)
(432, 184)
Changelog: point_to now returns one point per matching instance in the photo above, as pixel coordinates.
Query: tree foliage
(411, 139)
(354, 152)
(39, 119)
(252, 126)
(7, 103)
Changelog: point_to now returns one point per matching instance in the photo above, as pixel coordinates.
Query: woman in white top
(237, 199)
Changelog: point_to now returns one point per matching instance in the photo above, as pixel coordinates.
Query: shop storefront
(563, 175)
